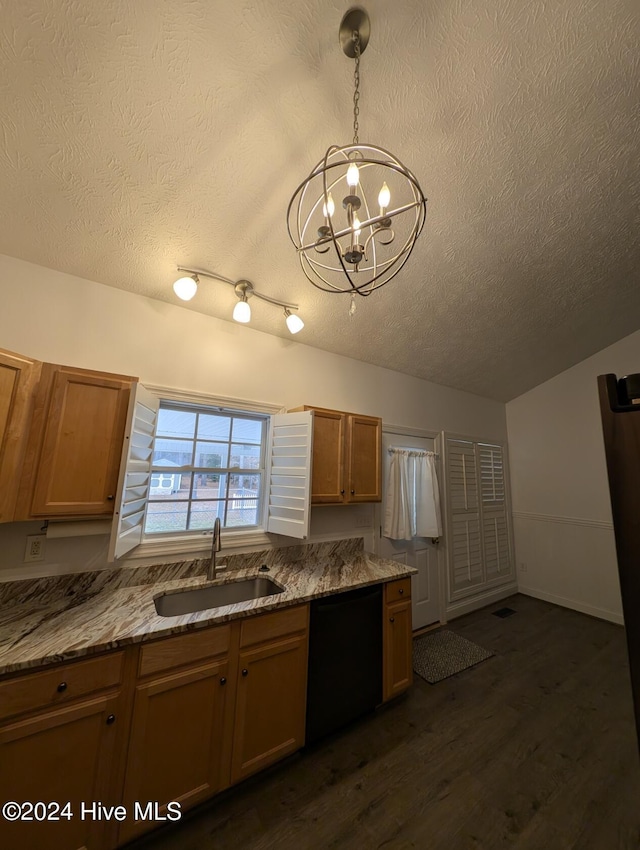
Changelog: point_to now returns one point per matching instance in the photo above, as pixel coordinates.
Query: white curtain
(412, 507)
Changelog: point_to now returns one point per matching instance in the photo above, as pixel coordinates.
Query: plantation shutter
(495, 531)
(288, 506)
(465, 545)
(135, 473)
(479, 548)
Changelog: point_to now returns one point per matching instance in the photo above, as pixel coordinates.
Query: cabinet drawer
(268, 626)
(396, 590)
(183, 649)
(50, 688)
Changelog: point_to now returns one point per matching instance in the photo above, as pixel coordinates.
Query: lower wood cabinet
(271, 694)
(212, 707)
(397, 672)
(175, 720)
(177, 741)
(66, 750)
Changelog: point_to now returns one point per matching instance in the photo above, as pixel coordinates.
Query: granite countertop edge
(49, 622)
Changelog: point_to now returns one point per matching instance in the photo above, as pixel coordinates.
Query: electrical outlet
(523, 567)
(362, 519)
(35, 548)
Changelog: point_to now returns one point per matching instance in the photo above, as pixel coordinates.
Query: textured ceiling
(139, 136)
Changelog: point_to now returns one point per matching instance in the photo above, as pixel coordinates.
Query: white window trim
(199, 544)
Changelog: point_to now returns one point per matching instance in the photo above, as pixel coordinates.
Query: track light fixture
(186, 287)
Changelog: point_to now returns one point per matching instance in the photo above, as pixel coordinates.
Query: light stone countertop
(45, 621)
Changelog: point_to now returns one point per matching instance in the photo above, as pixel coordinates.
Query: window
(206, 463)
(189, 457)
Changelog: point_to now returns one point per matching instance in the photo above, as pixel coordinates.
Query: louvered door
(135, 473)
(465, 547)
(495, 529)
(479, 548)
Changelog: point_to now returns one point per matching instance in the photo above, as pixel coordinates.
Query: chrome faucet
(216, 546)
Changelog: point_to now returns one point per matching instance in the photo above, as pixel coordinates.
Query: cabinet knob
(62, 687)
(353, 492)
(223, 680)
(392, 619)
(245, 672)
(342, 492)
(111, 719)
(109, 498)
(401, 591)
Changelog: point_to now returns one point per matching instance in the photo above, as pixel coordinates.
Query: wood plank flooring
(534, 748)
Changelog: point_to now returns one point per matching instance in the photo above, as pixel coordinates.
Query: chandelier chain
(356, 82)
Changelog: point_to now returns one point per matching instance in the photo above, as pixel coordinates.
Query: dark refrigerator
(620, 411)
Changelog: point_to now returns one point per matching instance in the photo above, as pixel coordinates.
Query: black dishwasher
(345, 659)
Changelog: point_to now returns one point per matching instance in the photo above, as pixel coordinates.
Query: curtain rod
(415, 452)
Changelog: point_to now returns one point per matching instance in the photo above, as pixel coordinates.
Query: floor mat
(441, 654)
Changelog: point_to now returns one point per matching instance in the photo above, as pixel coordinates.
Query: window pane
(212, 427)
(176, 423)
(247, 431)
(203, 514)
(172, 452)
(166, 516)
(242, 512)
(170, 485)
(245, 456)
(244, 485)
(209, 486)
(213, 455)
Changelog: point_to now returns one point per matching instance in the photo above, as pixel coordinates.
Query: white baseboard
(466, 606)
(600, 613)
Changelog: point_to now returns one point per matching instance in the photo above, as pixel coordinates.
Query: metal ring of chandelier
(358, 260)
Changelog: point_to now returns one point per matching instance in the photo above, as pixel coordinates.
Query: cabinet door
(77, 443)
(327, 478)
(364, 457)
(18, 378)
(398, 662)
(176, 743)
(60, 756)
(270, 707)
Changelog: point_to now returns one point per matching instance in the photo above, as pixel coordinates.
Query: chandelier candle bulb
(328, 208)
(353, 175)
(384, 198)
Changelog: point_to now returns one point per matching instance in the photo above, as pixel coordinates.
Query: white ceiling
(139, 136)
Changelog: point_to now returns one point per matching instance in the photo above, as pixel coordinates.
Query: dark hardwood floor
(534, 748)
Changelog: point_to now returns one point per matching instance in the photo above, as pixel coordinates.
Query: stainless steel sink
(215, 596)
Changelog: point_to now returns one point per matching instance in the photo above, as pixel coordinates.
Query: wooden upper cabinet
(364, 458)
(18, 378)
(75, 444)
(347, 457)
(329, 429)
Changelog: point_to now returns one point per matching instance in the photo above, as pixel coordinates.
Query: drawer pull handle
(62, 687)
(110, 498)
(245, 672)
(392, 619)
(111, 719)
(223, 680)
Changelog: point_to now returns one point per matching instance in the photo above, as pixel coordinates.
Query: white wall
(562, 513)
(63, 319)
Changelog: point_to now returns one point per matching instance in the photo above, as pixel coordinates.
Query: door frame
(436, 436)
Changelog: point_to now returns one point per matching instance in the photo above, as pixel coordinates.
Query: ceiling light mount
(186, 287)
(356, 20)
(349, 251)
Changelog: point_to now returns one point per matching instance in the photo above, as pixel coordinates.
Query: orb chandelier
(355, 219)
